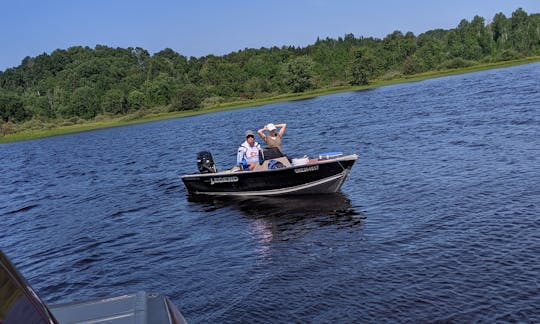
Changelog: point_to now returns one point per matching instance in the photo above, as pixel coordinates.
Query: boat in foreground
(20, 304)
(275, 175)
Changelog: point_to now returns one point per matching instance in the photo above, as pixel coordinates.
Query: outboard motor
(205, 162)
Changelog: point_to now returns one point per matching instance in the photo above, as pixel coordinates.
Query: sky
(202, 27)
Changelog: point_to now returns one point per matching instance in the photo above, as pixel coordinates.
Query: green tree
(84, 103)
(519, 31)
(158, 92)
(454, 44)
(114, 102)
(261, 66)
(186, 98)
(170, 63)
(482, 39)
(256, 86)
(430, 52)
(468, 39)
(362, 66)
(12, 108)
(397, 47)
(500, 30)
(135, 100)
(412, 65)
(329, 56)
(38, 106)
(298, 74)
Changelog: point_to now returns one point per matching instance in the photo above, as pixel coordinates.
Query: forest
(70, 86)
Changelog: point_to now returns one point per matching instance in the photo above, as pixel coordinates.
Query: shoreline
(134, 119)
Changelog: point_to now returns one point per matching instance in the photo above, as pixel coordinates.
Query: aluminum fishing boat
(275, 175)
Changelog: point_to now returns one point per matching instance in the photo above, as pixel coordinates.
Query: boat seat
(265, 165)
(269, 153)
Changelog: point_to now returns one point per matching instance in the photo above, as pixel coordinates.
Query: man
(248, 151)
(273, 139)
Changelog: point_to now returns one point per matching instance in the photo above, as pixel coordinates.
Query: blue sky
(202, 27)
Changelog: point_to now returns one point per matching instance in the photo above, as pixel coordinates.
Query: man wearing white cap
(273, 139)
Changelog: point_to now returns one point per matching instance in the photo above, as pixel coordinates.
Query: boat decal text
(307, 169)
(223, 180)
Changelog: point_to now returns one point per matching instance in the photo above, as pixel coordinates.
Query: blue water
(438, 222)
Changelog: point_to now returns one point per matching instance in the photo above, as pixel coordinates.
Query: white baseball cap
(271, 127)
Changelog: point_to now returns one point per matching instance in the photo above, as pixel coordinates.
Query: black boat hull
(316, 177)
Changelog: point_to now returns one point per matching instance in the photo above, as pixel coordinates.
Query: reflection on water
(337, 204)
(282, 214)
(273, 219)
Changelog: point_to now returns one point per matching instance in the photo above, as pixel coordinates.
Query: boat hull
(315, 177)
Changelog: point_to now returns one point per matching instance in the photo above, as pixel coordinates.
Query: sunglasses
(250, 136)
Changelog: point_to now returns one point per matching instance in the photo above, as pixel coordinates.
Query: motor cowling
(205, 162)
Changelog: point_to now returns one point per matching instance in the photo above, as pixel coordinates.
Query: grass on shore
(138, 117)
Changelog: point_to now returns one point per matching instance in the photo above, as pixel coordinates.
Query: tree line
(82, 82)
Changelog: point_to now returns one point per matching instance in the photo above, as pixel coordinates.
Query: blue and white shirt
(250, 153)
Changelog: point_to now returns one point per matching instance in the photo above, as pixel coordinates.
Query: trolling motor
(205, 162)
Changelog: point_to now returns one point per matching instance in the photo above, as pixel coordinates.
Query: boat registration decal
(223, 180)
(307, 169)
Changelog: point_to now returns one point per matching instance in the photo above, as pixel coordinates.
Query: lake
(439, 220)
